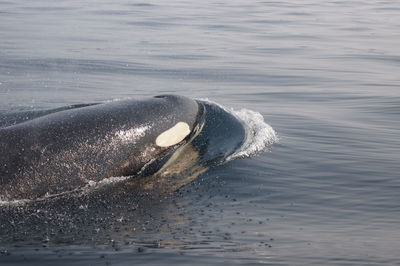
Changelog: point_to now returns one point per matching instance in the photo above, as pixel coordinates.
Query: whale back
(68, 149)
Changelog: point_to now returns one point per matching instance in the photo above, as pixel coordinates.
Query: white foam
(106, 181)
(89, 187)
(14, 202)
(260, 136)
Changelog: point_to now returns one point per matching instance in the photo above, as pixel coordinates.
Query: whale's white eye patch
(173, 135)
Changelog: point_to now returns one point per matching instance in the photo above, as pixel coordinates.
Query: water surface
(325, 76)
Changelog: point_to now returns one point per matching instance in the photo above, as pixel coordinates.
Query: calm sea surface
(324, 74)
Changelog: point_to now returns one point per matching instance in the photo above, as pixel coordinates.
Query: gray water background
(324, 74)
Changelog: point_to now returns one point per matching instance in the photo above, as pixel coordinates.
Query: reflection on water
(181, 169)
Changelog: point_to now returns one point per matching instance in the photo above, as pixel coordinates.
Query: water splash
(260, 136)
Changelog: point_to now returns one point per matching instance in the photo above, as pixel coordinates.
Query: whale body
(68, 149)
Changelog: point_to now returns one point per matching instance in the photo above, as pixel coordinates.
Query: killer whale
(67, 149)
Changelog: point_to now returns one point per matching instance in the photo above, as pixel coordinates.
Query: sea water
(323, 74)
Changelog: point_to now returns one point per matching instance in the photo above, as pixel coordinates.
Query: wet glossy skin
(69, 149)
